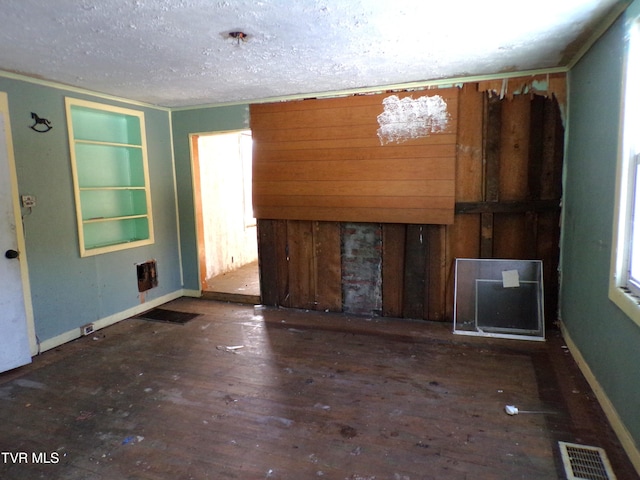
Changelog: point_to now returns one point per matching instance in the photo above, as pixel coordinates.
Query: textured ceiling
(178, 52)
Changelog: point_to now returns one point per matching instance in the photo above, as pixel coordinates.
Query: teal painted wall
(69, 291)
(186, 122)
(608, 340)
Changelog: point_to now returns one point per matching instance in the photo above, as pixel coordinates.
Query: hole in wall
(147, 273)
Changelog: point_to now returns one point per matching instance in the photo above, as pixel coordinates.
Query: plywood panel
(408, 150)
(393, 252)
(340, 201)
(328, 295)
(415, 298)
(302, 279)
(364, 215)
(282, 262)
(345, 188)
(267, 256)
(440, 168)
(436, 273)
(330, 148)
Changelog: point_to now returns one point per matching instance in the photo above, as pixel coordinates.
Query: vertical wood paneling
(282, 262)
(415, 272)
(302, 278)
(393, 253)
(436, 273)
(327, 265)
(300, 264)
(268, 262)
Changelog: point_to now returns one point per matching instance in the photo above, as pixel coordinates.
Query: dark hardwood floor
(305, 395)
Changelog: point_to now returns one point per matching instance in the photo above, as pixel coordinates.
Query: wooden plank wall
(507, 191)
(323, 160)
(300, 264)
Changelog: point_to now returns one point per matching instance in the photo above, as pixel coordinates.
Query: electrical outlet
(87, 329)
(28, 201)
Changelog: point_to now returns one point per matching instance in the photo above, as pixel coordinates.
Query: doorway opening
(227, 232)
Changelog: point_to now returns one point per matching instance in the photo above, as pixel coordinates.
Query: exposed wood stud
(491, 148)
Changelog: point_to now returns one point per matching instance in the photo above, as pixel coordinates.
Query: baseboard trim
(191, 293)
(111, 319)
(616, 422)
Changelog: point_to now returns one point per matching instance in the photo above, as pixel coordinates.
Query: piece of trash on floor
(513, 410)
(230, 348)
(131, 439)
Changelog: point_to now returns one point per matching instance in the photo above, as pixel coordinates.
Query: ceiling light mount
(239, 35)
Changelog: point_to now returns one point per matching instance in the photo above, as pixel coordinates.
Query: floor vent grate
(582, 462)
(170, 316)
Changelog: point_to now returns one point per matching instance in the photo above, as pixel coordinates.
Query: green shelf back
(114, 232)
(104, 126)
(112, 203)
(109, 166)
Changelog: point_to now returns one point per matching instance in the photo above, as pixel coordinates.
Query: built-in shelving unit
(111, 177)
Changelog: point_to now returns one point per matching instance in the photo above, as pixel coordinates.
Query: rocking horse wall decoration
(40, 125)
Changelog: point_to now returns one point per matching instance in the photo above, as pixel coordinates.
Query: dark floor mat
(171, 316)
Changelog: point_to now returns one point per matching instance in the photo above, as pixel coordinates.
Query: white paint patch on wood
(407, 118)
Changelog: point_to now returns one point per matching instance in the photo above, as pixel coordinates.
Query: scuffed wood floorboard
(309, 395)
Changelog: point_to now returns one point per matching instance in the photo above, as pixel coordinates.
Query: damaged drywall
(407, 118)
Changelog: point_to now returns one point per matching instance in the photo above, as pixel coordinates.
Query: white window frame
(623, 291)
